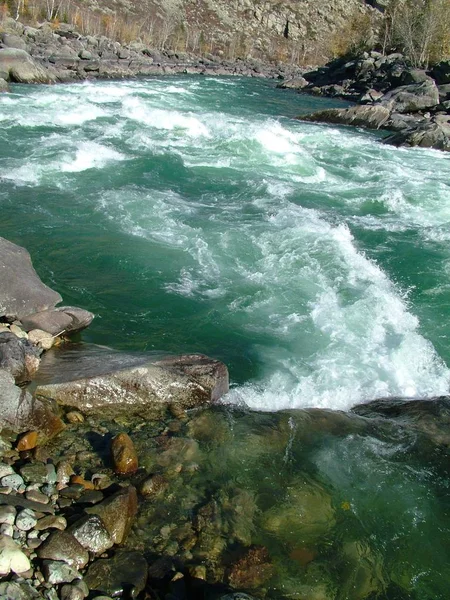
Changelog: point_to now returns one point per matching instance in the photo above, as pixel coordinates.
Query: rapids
(195, 215)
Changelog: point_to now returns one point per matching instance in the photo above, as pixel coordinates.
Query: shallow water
(192, 214)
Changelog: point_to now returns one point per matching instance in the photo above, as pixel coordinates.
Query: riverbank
(390, 95)
(58, 53)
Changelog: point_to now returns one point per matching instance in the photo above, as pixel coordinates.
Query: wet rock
(37, 496)
(361, 571)
(27, 441)
(124, 573)
(77, 480)
(92, 534)
(71, 592)
(429, 134)
(252, 570)
(412, 98)
(117, 513)
(56, 571)
(35, 472)
(8, 514)
(11, 590)
(293, 84)
(63, 320)
(14, 481)
(371, 117)
(154, 485)
(22, 292)
(74, 417)
(63, 546)
(18, 500)
(4, 87)
(51, 522)
(12, 355)
(11, 557)
(124, 455)
(305, 517)
(190, 380)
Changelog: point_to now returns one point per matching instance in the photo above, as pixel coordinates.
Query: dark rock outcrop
(412, 98)
(371, 117)
(433, 133)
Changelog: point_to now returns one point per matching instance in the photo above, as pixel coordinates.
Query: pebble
(91, 497)
(74, 417)
(13, 481)
(124, 455)
(11, 557)
(51, 522)
(56, 571)
(63, 472)
(5, 489)
(77, 480)
(8, 514)
(27, 441)
(7, 529)
(51, 473)
(92, 534)
(70, 592)
(37, 496)
(34, 472)
(5, 470)
(26, 520)
(73, 491)
(17, 331)
(41, 338)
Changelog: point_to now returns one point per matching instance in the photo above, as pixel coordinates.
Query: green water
(194, 215)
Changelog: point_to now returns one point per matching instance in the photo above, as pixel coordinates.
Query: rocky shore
(51, 54)
(390, 95)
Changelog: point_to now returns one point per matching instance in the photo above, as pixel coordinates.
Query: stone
(71, 592)
(9, 40)
(22, 292)
(21, 68)
(251, 570)
(85, 55)
(92, 534)
(37, 496)
(8, 514)
(35, 472)
(5, 470)
(26, 520)
(124, 455)
(12, 355)
(27, 441)
(14, 481)
(189, 380)
(124, 573)
(293, 84)
(117, 513)
(11, 590)
(371, 117)
(22, 502)
(77, 480)
(412, 98)
(18, 332)
(11, 557)
(51, 522)
(428, 134)
(4, 87)
(154, 485)
(74, 416)
(56, 571)
(64, 320)
(62, 546)
(441, 72)
(42, 339)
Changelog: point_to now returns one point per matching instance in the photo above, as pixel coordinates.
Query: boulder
(21, 412)
(4, 87)
(444, 92)
(12, 355)
(441, 72)
(125, 574)
(412, 98)
(428, 134)
(117, 513)
(21, 68)
(22, 292)
(9, 40)
(63, 546)
(293, 84)
(371, 117)
(189, 380)
(62, 320)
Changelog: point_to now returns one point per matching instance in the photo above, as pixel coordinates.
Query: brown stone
(252, 569)
(76, 479)
(117, 513)
(123, 454)
(27, 441)
(61, 545)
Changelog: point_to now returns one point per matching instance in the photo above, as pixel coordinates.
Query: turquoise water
(193, 214)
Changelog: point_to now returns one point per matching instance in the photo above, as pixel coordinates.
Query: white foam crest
(90, 155)
(171, 120)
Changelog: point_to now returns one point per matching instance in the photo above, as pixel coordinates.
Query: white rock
(26, 520)
(11, 557)
(13, 481)
(7, 529)
(5, 470)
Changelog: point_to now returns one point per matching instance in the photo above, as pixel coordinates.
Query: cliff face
(295, 30)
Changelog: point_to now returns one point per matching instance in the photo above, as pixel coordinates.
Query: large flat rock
(22, 293)
(20, 67)
(371, 117)
(189, 381)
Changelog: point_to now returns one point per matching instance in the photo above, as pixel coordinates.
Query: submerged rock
(123, 454)
(189, 380)
(123, 574)
(62, 320)
(22, 292)
(117, 513)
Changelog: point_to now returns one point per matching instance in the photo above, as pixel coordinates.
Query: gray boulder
(12, 355)
(9, 40)
(4, 87)
(21, 68)
(19, 411)
(370, 117)
(61, 320)
(189, 381)
(428, 134)
(444, 92)
(22, 292)
(412, 98)
(293, 84)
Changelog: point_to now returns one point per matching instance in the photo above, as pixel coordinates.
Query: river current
(195, 215)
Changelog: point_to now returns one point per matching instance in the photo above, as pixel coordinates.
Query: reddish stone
(124, 455)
